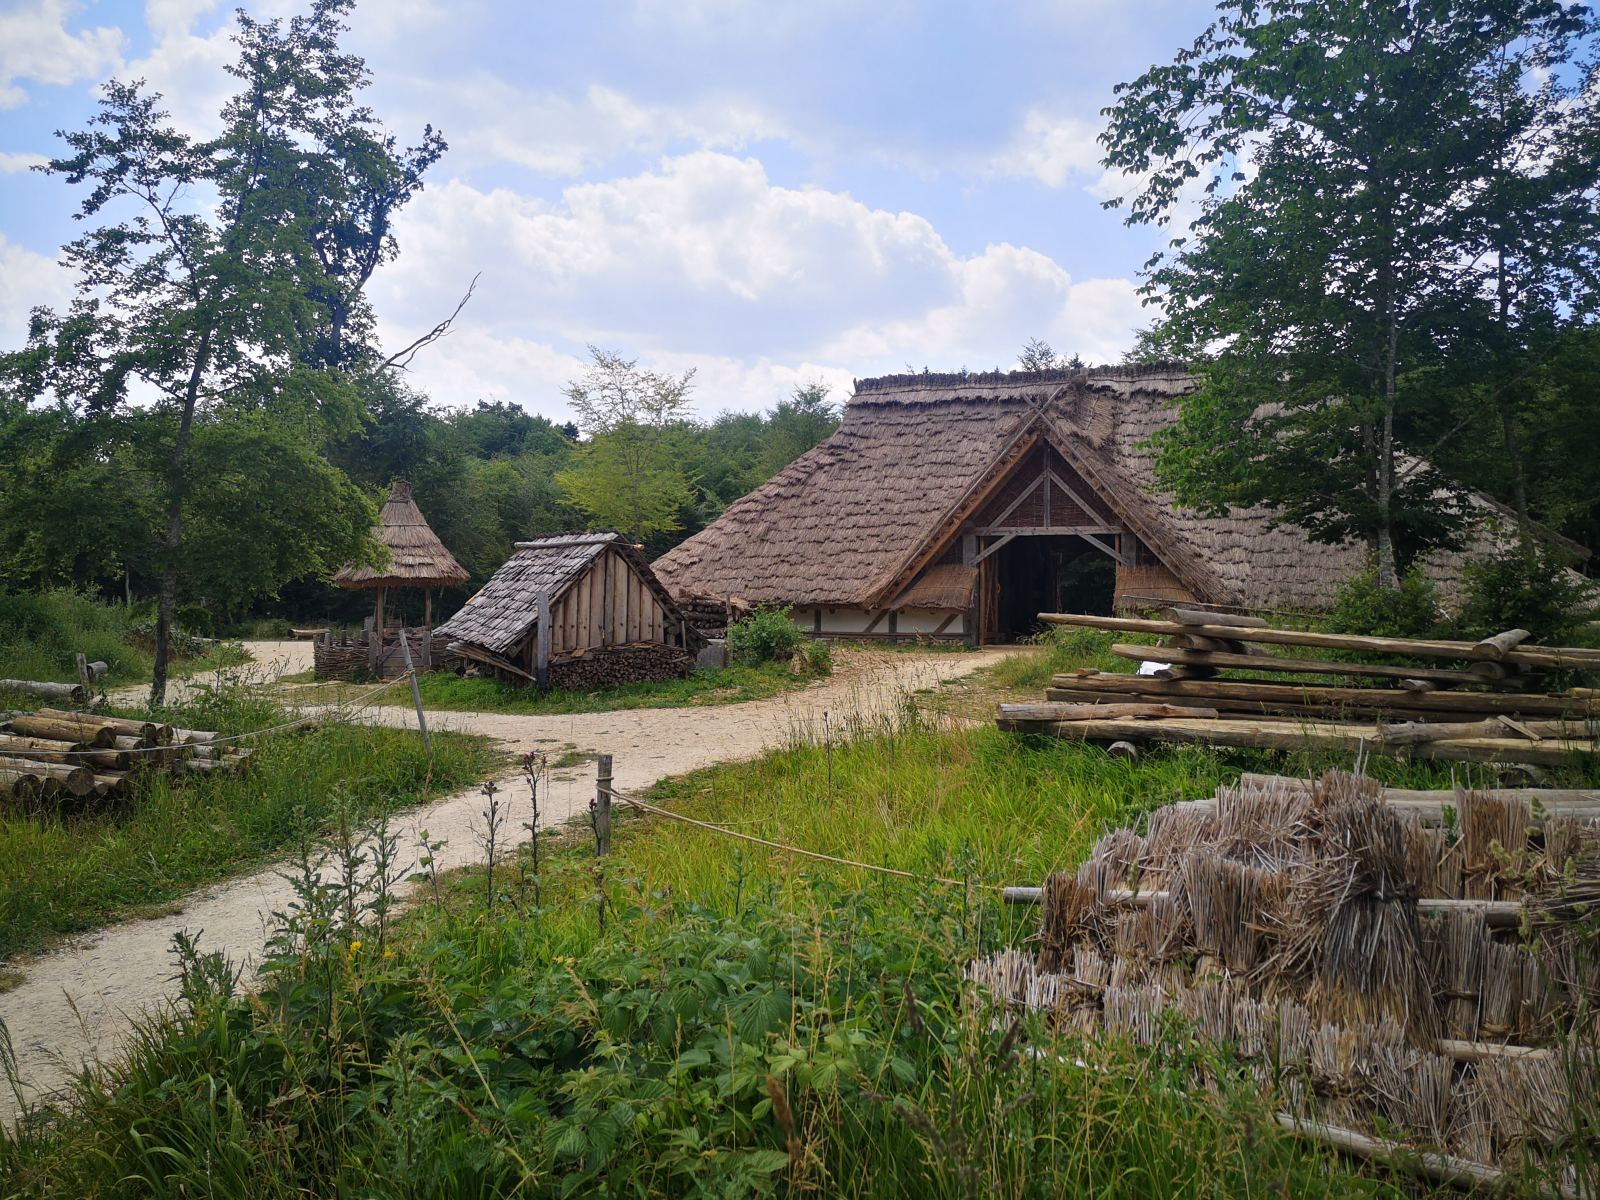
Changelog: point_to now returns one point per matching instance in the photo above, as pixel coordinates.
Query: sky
(770, 193)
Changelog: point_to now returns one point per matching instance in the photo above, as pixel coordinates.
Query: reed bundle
(1282, 921)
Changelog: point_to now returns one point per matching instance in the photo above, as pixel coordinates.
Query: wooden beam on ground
(1295, 666)
(1101, 712)
(1219, 627)
(1270, 691)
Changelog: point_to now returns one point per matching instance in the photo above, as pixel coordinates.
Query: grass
(445, 691)
(41, 632)
(69, 873)
(693, 1015)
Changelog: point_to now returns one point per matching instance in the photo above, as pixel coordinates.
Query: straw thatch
(417, 558)
(867, 516)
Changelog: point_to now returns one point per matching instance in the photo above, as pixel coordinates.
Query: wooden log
(1428, 1164)
(1544, 796)
(99, 736)
(1293, 666)
(18, 786)
(1195, 616)
(1501, 644)
(1414, 732)
(1093, 712)
(150, 731)
(1281, 691)
(72, 693)
(1498, 914)
(48, 750)
(1523, 655)
(78, 781)
(1286, 735)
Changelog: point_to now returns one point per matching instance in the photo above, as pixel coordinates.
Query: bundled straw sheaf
(1282, 922)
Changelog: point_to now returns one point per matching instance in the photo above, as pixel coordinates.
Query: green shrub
(819, 657)
(40, 633)
(1526, 587)
(1409, 610)
(765, 635)
(196, 619)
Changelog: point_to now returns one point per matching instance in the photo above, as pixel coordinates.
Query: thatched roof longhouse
(872, 517)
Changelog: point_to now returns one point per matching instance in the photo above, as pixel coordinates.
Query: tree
(1038, 355)
(235, 333)
(1349, 157)
(629, 474)
(795, 425)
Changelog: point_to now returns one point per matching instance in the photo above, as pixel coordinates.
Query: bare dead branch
(402, 358)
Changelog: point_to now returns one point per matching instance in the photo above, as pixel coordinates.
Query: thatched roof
(855, 520)
(505, 610)
(417, 558)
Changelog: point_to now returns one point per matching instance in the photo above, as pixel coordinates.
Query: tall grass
(42, 632)
(66, 872)
(1064, 648)
(695, 1016)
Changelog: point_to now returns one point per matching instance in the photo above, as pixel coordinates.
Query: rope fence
(657, 810)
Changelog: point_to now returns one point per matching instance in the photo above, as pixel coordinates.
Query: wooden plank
(1299, 666)
(1280, 692)
(1526, 656)
(1307, 735)
(1095, 712)
(1195, 616)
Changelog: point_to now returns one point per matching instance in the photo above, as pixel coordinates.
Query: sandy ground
(75, 1004)
(272, 660)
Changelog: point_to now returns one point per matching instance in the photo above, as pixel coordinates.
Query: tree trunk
(167, 609)
(1388, 569)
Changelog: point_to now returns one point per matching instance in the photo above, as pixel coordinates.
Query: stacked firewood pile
(1407, 968)
(612, 666)
(54, 755)
(1210, 681)
(712, 615)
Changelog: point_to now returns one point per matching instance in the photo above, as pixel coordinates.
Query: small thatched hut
(961, 506)
(574, 611)
(417, 559)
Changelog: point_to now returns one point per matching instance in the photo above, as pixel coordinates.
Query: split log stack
(54, 755)
(1214, 681)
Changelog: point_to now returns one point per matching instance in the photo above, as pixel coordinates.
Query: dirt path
(273, 659)
(75, 1003)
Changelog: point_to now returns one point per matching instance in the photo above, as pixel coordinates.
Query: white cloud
(27, 279)
(706, 262)
(14, 162)
(35, 46)
(1051, 148)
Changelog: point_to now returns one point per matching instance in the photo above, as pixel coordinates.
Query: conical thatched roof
(417, 558)
(860, 519)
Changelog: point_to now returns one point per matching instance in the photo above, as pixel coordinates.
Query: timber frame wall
(610, 604)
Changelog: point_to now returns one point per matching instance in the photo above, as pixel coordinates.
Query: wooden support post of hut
(417, 559)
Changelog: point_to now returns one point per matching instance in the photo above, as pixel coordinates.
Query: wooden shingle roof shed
(566, 596)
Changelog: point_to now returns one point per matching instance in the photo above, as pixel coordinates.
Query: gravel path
(74, 1005)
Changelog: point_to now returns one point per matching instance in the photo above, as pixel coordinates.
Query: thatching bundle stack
(1339, 945)
(53, 754)
(1494, 701)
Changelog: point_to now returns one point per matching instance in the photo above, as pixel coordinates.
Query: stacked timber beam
(1421, 987)
(1490, 701)
(53, 754)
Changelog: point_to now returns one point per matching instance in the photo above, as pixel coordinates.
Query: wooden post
(541, 661)
(83, 671)
(367, 627)
(416, 694)
(427, 608)
(377, 615)
(602, 805)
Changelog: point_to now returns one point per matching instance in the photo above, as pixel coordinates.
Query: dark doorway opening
(1048, 574)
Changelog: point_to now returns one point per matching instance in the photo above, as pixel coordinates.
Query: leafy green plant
(1527, 587)
(818, 656)
(766, 635)
(1410, 609)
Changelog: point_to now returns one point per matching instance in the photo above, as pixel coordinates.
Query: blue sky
(766, 192)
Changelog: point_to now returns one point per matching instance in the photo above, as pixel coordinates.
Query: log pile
(611, 666)
(1388, 974)
(1490, 701)
(54, 755)
(712, 615)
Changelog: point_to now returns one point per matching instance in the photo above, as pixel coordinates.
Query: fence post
(416, 693)
(602, 805)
